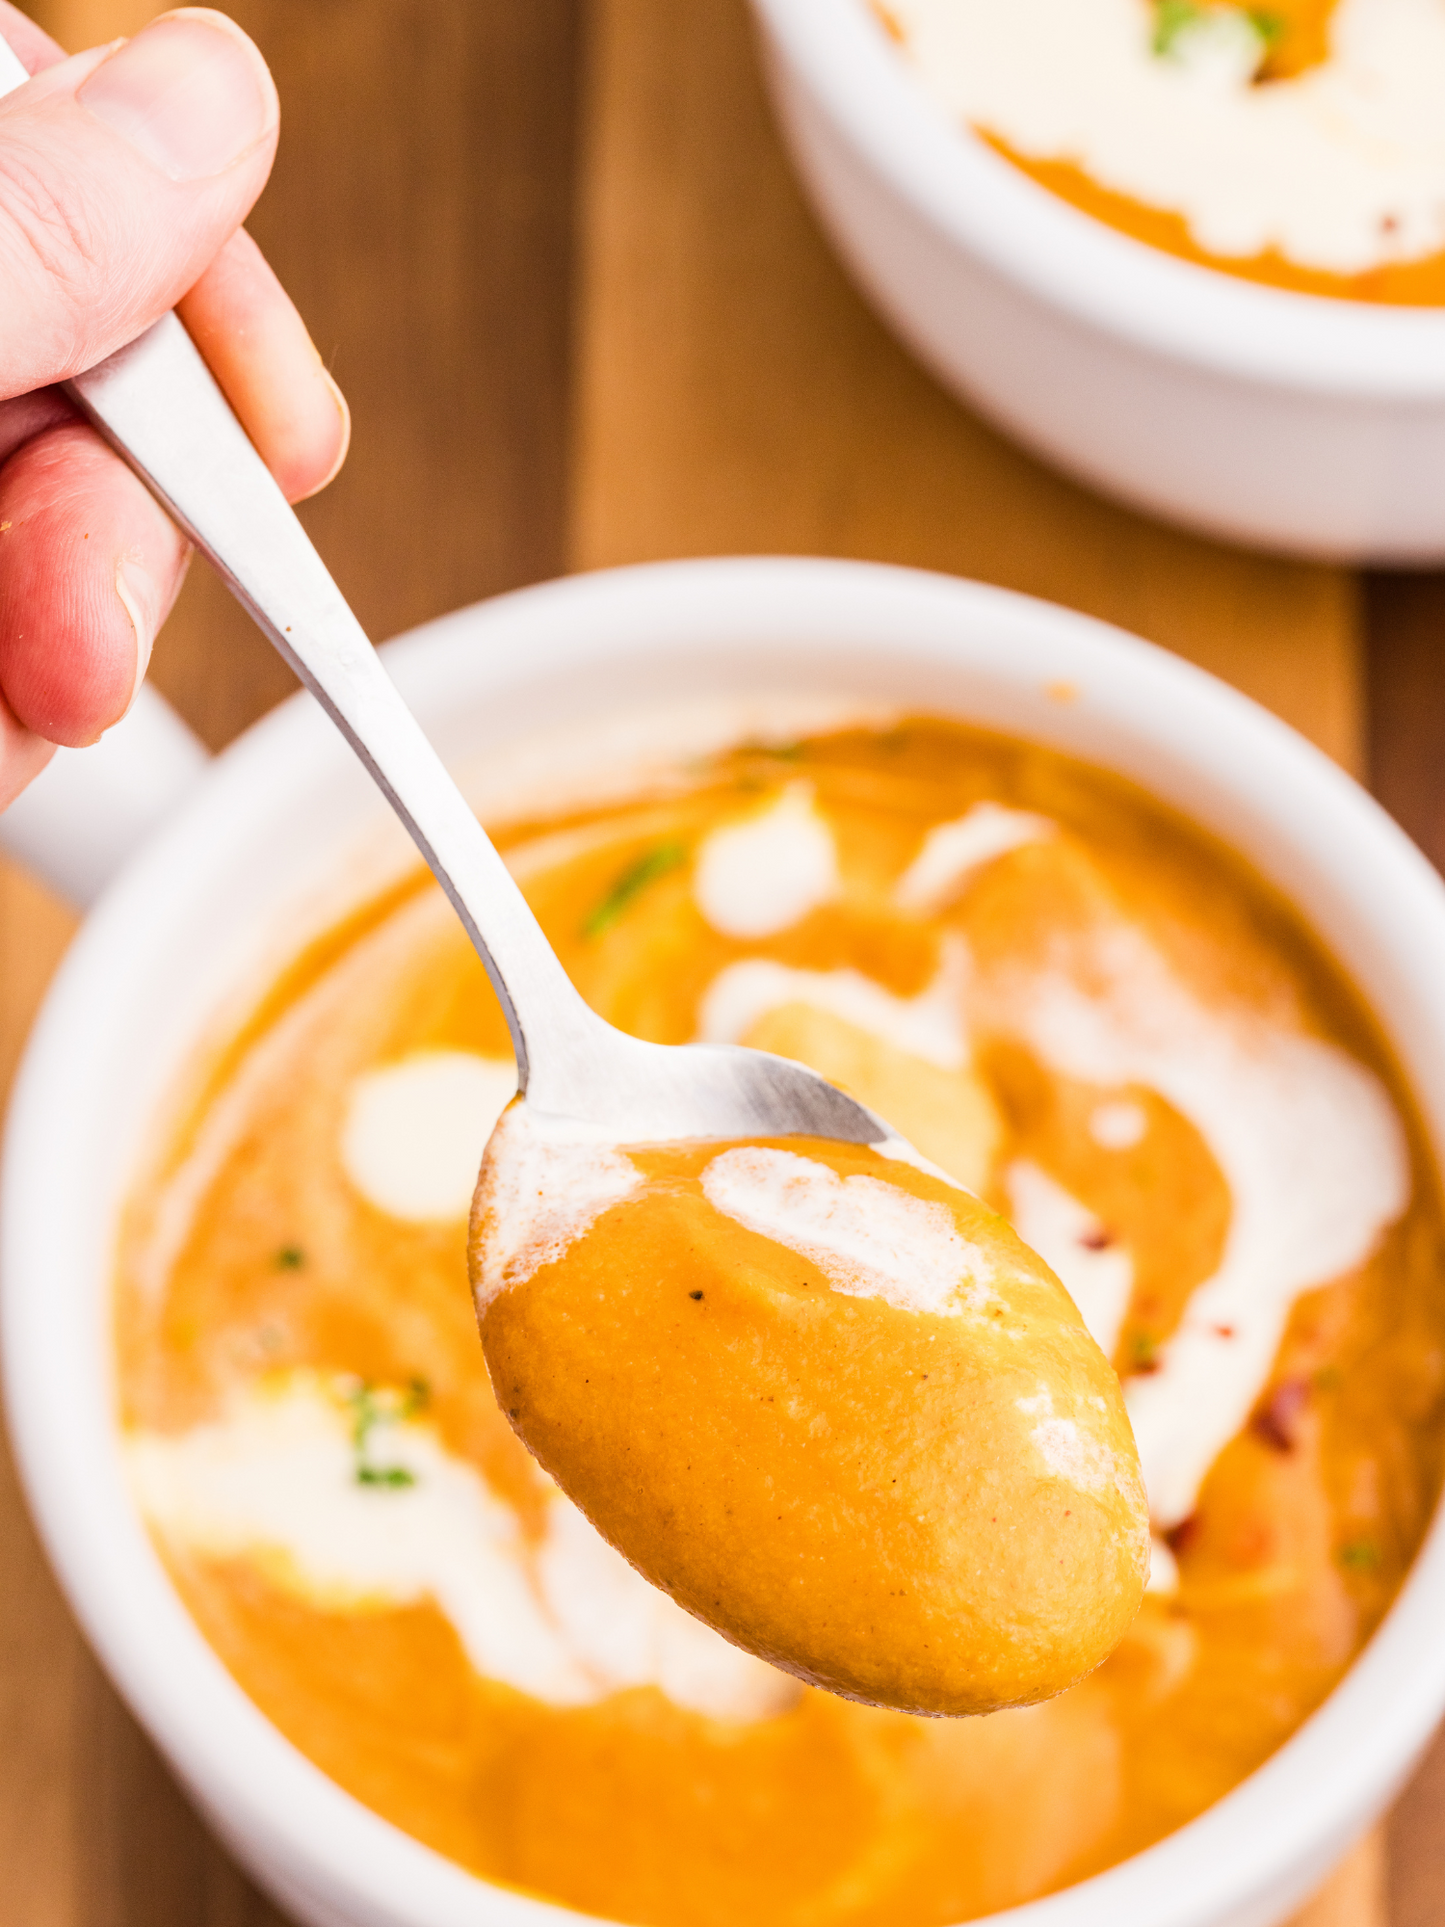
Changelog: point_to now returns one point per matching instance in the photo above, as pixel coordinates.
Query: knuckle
(54, 237)
(55, 223)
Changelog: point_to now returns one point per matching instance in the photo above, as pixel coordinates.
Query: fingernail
(342, 409)
(137, 592)
(190, 92)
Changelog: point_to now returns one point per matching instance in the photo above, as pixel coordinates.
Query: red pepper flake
(1276, 1422)
(1224, 1331)
(1253, 1543)
(1099, 1239)
(1181, 1537)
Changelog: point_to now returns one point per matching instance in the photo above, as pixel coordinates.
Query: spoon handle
(158, 405)
(160, 408)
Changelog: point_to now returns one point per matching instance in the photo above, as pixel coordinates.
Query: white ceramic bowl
(270, 835)
(1284, 420)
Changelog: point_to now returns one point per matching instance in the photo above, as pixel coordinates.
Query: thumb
(122, 173)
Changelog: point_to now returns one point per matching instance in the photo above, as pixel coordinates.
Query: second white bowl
(1282, 420)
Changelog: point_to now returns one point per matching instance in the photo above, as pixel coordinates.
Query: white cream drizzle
(544, 1182)
(1341, 168)
(569, 1622)
(869, 1238)
(1071, 1451)
(953, 852)
(415, 1130)
(1307, 1141)
(1305, 1136)
(1065, 1233)
(1119, 1124)
(764, 874)
(929, 1026)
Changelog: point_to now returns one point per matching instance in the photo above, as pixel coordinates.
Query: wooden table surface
(554, 255)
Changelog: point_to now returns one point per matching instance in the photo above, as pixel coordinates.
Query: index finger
(33, 45)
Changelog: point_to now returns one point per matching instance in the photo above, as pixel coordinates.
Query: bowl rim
(1306, 1800)
(1304, 344)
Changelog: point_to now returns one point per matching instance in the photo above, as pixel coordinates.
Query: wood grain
(1405, 658)
(736, 395)
(1416, 1836)
(421, 215)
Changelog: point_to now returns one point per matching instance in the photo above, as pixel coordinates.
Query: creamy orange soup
(1068, 999)
(746, 1361)
(1297, 143)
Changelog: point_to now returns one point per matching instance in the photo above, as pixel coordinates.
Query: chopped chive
(1173, 18)
(1269, 26)
(1359, 1555)
(651, 865)
(372, 1406)
(1143, 1352)
(290, 1258)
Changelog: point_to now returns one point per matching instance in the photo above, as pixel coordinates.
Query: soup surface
(1069, 1000)
(1300, 143)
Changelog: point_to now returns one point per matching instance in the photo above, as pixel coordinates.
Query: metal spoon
(159, 407)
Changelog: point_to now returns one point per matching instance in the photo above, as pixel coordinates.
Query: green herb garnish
(651, 865)
(1359, 1555)
(290, 1258)
(1171, 18)
(374, 1405)
(1143, 1352)
(1175, 18)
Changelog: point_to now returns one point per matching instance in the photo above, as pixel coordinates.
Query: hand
(125, 174)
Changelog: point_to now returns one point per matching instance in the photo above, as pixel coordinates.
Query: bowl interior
(287, 830)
